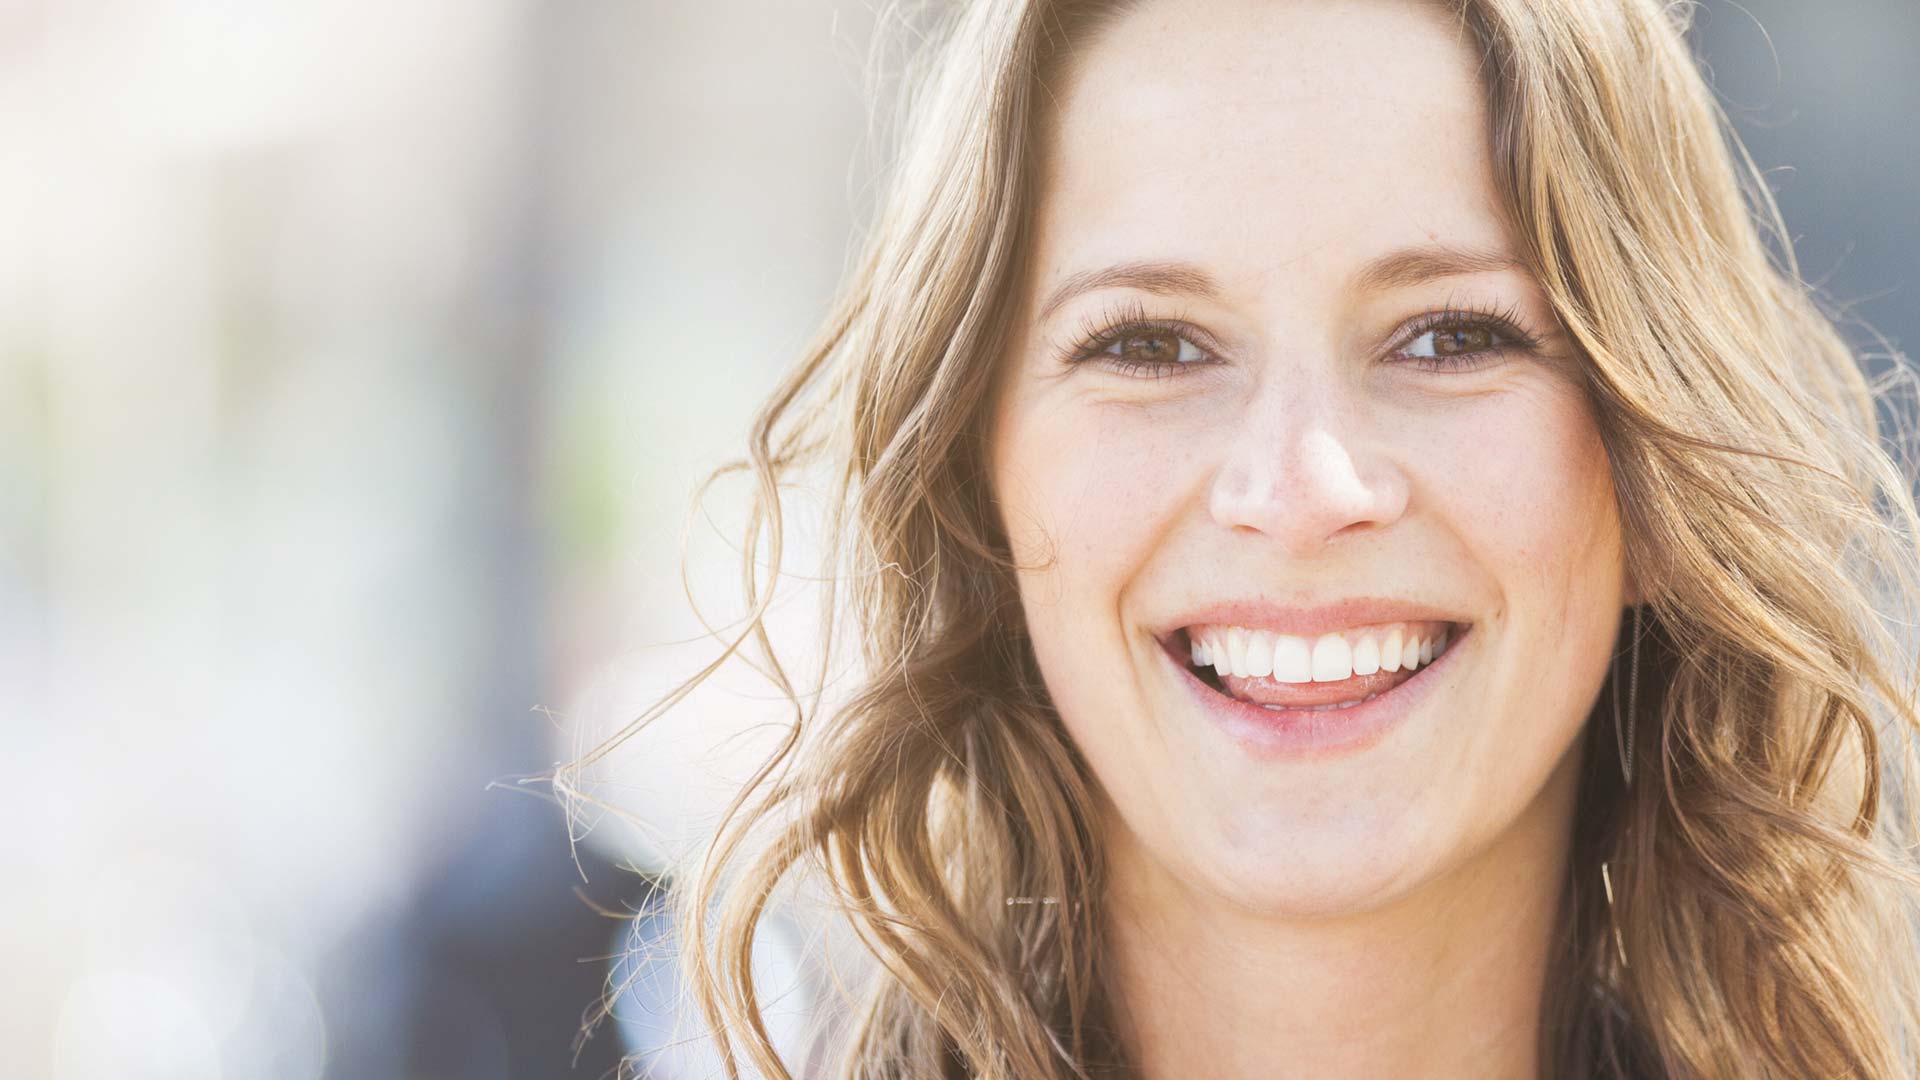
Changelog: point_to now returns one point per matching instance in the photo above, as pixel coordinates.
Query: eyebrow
(1395, 270)
(1167, 278)
(1417, 265)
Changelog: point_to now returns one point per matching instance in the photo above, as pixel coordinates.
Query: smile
(1243, 652)
(1289, 694)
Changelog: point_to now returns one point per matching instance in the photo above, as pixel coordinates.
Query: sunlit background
(357, 361)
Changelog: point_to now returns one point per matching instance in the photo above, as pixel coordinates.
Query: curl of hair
(1761, 860)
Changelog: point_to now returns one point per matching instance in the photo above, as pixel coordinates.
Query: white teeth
(1237, 651)
(1259, 655)
(1292, 659)
(1254, 654)
(1332, 659)
(1366, 655)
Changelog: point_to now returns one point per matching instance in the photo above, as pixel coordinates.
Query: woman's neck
(1447, 981)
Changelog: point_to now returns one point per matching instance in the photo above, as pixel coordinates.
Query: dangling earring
(1623, 742)
(1623, 733)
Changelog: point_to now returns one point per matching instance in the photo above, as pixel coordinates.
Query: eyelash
(1132, 321)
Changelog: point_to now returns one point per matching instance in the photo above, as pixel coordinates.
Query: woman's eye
(1466, 342)
(1445, 341)
(1142, 348)
(1451, 340)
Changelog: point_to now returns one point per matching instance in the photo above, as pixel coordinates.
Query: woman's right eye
(1146, 350)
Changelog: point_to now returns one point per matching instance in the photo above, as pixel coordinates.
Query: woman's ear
(1635, 592)
(1632, 590)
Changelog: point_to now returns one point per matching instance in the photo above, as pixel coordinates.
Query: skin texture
(1376, 913)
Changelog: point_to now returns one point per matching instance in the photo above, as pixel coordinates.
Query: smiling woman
(1290, 456)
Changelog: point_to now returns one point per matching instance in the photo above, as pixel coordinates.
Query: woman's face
(1235, 406)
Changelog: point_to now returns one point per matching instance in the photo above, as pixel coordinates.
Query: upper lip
(1312, 620)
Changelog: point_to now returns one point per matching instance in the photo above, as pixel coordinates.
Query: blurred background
(357, 362)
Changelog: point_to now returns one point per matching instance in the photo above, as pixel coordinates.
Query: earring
(1619, 943)
(1624, 744)
(1623, 733)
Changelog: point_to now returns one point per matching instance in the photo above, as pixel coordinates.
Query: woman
(1364, 567)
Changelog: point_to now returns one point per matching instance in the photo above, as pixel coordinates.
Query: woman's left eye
(1453, 341)
(1456, 342)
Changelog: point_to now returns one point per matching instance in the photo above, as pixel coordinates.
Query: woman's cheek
(1090, 490)
(1525, 483)
(1116, 480)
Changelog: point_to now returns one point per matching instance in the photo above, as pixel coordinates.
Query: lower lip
(1319, 733)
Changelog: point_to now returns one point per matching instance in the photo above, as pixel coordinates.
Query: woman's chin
(1309, 886)
(1307, 868)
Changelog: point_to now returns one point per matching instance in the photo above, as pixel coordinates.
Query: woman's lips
(1265, 690)
(1303, 729)
(1278, 692)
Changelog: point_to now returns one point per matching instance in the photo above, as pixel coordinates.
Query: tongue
(1264, 690)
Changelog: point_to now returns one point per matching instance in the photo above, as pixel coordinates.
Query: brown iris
(1462, 339)
(1150, 347)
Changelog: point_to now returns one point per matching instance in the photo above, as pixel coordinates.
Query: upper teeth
(1234, 650)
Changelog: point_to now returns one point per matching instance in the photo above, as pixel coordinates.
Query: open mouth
(1329, 672)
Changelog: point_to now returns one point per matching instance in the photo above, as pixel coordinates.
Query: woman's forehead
(1323, 48)
(1253, 135)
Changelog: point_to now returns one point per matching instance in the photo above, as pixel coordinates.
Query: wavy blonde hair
(1763, 880)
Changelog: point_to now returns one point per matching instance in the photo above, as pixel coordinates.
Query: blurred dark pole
(501, 955)
(1826, 98)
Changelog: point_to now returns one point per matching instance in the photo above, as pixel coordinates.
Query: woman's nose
(1303, 473)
